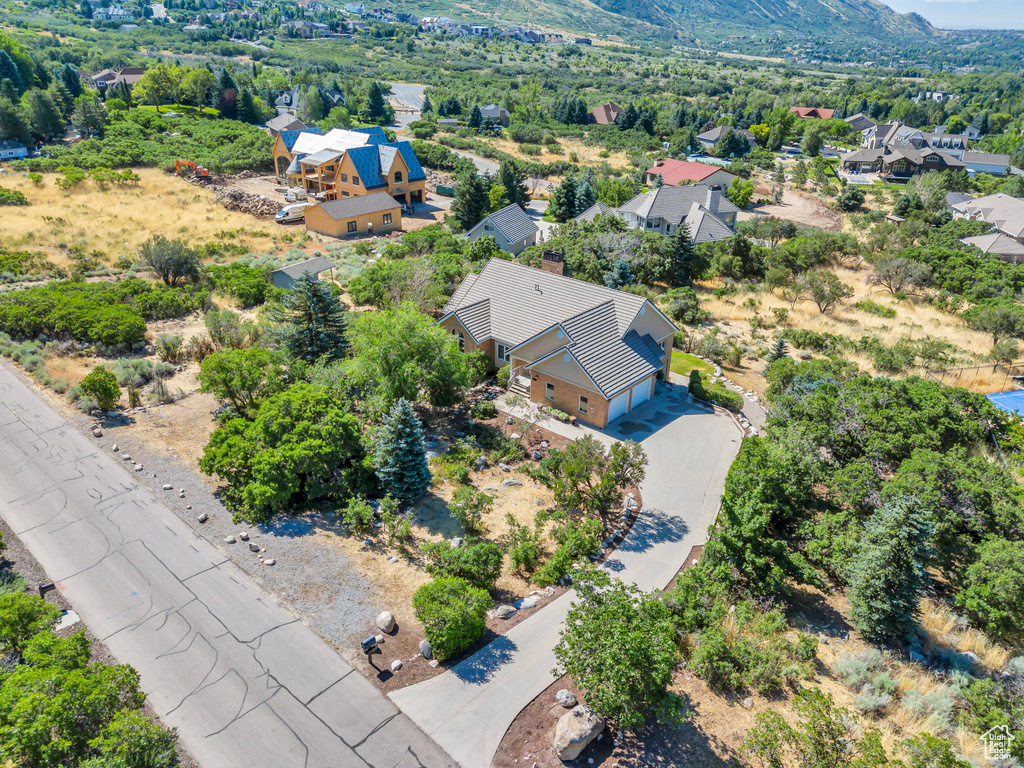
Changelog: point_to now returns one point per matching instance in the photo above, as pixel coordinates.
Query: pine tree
(472, 199)
(226, 82)
(619, 275)
(563, 199)
(400, 454)
(513, 178)
(69, 76)
(659, 181)
(476, 118)
(85, 9)
(247, 112)
(585, 197)
(778, 350)
(428, 105)
(376, 107)
(9, 71)
(685, 255)
(317, 321)
(888, 571)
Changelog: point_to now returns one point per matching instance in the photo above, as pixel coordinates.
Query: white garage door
(617, 406)
(641, 392)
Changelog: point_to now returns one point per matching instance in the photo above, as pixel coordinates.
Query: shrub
(100, 384)
(478, 562)
(358, 515)
(250, 285)
(503, 375)
(453, 613)
(873, 308)
(871, 701)
(483, 410)
(12, 197)
(857, 670)
(469, 505)
(170, 348)
(523, 545)
(576, 540)
(714, 393)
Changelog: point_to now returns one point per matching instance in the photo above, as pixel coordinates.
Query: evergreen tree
(400, 454)
(85, 9)
(585, 197)
(247, 111)
(39, 73)
(659, 181)
(44, 118)
(472, 199)
(888, 571)
(476, 119)
(69, 76)
(428, 105)
(12, 121)
(9, 71)
(778, 350)
(226, 82)
(563, 199)
(317, 321)
(619, 275)
(513, 178)
(685, 255)
(376, 106)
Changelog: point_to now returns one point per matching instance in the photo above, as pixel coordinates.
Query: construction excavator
(185, 168)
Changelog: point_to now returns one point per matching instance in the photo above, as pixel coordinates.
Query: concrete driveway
(690, 447)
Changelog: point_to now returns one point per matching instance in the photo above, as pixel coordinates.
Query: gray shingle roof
(592, 211)
(673, 203)
(512, 222)
(314, 266)
(521, 302)
(705, 227)
(281, 122)
(347, 207)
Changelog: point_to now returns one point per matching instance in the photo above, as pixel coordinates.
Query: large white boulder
(575, 729)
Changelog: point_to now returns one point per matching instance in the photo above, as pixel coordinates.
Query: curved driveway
(689, 448)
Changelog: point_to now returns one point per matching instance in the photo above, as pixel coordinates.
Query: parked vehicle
(295, 195)
(290, 213)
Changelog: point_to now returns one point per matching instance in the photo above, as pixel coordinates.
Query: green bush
(453, 613)
(250, 285)
(503, 375)
(576, 540)
(483, 410)
(523, 547)
(358, 516)
(12, 197)
(873, 308)
(714, 393)
(469, 505)
(478, 562)
(100, 384)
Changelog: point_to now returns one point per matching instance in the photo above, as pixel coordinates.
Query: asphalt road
(410, 94)
(245, 683)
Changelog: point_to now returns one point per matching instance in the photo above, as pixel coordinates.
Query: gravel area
(315, 582)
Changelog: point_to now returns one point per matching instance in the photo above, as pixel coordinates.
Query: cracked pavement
(245, 682)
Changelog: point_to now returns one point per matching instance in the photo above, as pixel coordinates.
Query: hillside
(709, 21)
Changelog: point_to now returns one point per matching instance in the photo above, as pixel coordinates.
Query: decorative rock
(425, 650)
(515, 436)
(126, 457)
(504, 467)
(434, 664)
(575, 730)
(269, 561)
(396, 665)
(503, 611)
(168, 487)
(537, 455)
(203, 517)
(527, 602)
(229, 539)
(97, 432)
(114, 448)
(748, 702)
(189, 507)
(456, 542)
(544, 443)
(254, 547)
(367, 542)
(509, 483)
(379, 639)
(385, 621)
(480, 464)
(392, 559)
(138, 467)
(972, 657)
(489, 488)
(566, 698)
(243, 535)
(917, 657)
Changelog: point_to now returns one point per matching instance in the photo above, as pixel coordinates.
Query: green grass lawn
(683, 363)
(181, 109)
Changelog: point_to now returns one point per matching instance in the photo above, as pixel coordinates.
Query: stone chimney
(711, 201)
(552, 262)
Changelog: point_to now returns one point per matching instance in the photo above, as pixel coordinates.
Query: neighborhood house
(510, 227)
(707, 213)
(286, 277)
(372, 214)
(590, 351)
(676, 172)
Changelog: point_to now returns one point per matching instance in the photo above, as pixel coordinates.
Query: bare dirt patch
(801, 207)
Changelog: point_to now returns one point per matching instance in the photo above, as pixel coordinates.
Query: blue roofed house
(593, 352)
(347, 163)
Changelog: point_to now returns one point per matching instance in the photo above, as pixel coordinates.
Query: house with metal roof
(348, 163)
(287, 276)
(590, 351)
(511, 227)
(708, 214)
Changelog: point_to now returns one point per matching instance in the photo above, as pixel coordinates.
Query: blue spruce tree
(400, 454)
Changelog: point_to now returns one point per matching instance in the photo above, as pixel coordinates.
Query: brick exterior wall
(567, 399)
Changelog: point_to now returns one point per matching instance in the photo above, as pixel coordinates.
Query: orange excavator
(188, 168)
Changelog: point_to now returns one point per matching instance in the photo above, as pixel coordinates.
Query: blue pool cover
(1011, 402)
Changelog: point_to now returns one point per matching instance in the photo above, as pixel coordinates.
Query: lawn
(683, 363)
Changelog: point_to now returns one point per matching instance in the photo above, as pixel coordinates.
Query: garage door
(617, 406)
(641, 392)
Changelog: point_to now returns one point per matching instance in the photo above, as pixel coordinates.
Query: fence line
(1012, 371)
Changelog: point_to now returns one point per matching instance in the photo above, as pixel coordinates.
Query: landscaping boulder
(504, 611)
(575, 730)
(396, 665)
(510, 483)
(566, 698)
(385, 621)
(203, 517)
(229, 539)
(254, 547)
(425, 650)
(527, 602)
(480, 464)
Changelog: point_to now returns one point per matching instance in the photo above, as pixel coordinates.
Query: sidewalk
(690, 447)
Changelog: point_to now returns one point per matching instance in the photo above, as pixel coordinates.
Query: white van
(290, 213)
(294, 195)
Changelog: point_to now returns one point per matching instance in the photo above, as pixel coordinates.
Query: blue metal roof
(367, 163)
(290, 137)
(415, 169)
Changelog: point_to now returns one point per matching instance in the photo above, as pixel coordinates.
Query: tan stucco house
(590, 351)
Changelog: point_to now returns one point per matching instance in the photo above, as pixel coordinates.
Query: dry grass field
(117, 219)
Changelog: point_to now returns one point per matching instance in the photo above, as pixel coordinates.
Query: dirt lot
(801, 207)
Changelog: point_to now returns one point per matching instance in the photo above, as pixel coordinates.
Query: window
(352, 227)
(387, 218)
(355, 180)
(328, 169)
(549, 391)
(343, 177)
(502, 353)
(344, 193)
(462, 339)
(584, 404)
(488, 228)
(398, 176)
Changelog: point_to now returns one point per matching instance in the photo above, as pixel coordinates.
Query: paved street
(690, 448)
(245, 683)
